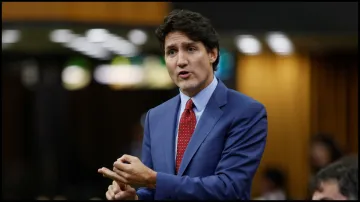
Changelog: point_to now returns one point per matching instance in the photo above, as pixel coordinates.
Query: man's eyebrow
(170, 46)
(182, 44)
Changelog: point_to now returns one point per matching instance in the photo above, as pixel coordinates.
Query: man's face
(188, 62)
(328, 190)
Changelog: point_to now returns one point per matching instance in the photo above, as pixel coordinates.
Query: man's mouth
(184, 74)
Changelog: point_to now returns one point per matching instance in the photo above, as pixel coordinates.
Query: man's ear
(213, 55)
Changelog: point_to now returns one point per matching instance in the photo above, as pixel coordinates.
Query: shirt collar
(201, 99)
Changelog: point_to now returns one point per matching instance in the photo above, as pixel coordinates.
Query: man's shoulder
(240, 101)
(237, 97)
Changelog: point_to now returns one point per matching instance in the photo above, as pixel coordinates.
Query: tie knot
(189, 105)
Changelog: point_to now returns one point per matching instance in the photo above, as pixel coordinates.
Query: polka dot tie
(186, 129)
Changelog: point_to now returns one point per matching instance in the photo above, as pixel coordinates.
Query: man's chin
(186, 85)
(188, 89)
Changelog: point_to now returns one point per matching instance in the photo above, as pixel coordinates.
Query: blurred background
(78, 77)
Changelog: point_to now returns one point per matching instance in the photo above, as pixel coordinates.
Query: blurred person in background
(273, 185)
(323, 151)
(219, 158)
(337, 181)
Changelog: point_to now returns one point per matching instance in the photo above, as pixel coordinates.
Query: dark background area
(303, 17)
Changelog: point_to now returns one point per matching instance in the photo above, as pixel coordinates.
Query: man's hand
(118, 190)
(130, 170)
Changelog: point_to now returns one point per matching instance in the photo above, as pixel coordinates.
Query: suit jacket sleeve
(240, 158)
(145, 193)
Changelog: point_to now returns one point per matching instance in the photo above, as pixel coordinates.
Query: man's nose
(182, 60)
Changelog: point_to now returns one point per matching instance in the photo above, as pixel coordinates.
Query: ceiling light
(279, 43)
(10, 36)
(137, 36)
(248, 44)
(97, 35)
(61, 36)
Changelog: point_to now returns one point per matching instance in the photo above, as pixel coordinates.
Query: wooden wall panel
(144, 13)
(329, 113)
(282, 84)
(353, 94)
(303, 96)
(334, 97)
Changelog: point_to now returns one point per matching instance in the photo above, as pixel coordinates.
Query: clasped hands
(128, 172)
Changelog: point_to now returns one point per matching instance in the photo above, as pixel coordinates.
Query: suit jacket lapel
(206, 123)
(168, 136)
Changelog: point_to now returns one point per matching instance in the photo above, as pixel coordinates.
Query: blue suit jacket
(222, 155)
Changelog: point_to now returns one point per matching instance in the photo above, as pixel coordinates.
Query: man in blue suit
(206, 142)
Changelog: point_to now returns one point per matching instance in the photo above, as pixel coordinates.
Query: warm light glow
(75, 77)
(248, 44)
(119, 74)
(279, 43)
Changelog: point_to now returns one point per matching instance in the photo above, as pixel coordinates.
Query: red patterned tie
(186, 129)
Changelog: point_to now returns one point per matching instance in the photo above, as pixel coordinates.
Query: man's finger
(122, 186)
(110, 188)
(115, 187)
(130, 192)
(122, 166)
(121, 173)
(109, 196)
(126, 158)
(112, 175)
(111, 193)
(123, 195)
(118, 186)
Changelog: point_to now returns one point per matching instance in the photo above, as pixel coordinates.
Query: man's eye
(191, 49)
(171, 52)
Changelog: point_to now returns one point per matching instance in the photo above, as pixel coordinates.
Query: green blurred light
(80, 62)
(137, 60)
(120, 60)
